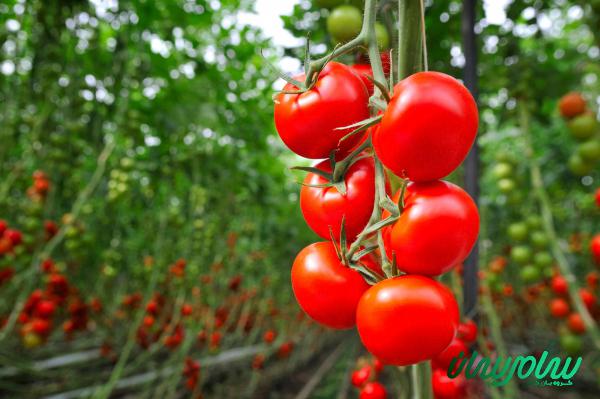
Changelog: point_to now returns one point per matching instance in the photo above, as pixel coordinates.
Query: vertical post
(472, 162)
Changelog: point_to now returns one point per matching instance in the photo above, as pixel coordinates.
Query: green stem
(420, 375)
(548, 223)
(409, 38)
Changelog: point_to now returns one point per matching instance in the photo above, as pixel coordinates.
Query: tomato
(589, 150)
(578, 166)
(543, 259)
(502, 170)
(592, 280)
(575, 323)
(428, 127)
(572, 344)
(307, 122)
(571, 104)
(325, 207)
(559, 308)
(436, 230)
(444, 358)
(269, 336)
(539, 239)
(361, 70)
(467, 331)
(595, 248)
(518, 231)
(325, 289)
(530, 274)
(383, 38)
(506, 186)
(344, 23)
(559, 285)
(361, 376)
(445, 387)
(373, 390)
(583, 127)
(407, 319)
(587, 298)
(521, 254)
(597, 197)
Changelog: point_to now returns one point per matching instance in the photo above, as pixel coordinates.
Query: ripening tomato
(559, 308)
(361, 70)
(325, 207)
(559, 285)
(307, 122)
(436, 230)
(595, 248)
(467, 331)
(373, 390)
(407, 319)
(327, 290)
(575, 323)
(445, 387)
(428, 127)
(361, 376)
(571, 104)
(443, 359)
(587, 298)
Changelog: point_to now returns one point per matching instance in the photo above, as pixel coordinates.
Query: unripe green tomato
(578, 166)
(344, 23)
(383, 38)
(518, 231)
(506, 185)
(328, 3)
(583, 127)
(534, 221)
(539, 239)
(502, 170)
(543, 259)
(572, 344)
(548, 272)
(504, 156)
(530, 274)
(589, 151)
(520, 254)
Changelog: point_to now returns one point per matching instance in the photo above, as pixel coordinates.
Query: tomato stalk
(410, 43)
(420, 374)
(548, 223)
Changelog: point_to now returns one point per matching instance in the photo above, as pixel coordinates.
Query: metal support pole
(471, 181)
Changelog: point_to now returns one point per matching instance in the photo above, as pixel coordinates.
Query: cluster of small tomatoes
(365, 378)
(402, 314)
(583, 127)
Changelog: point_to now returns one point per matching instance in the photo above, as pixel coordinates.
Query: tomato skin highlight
(436, 230)
(407, 319)
(307, 122)
(326, 289)
(428, 128)
(323, 207)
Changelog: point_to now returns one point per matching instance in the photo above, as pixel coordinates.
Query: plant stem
(409, 38)
(420, 375)
(548, 222)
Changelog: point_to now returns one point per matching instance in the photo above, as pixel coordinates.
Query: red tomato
(597, 197)
(326, 289)
(361, 70)
(361, 376)
(559, 308)
(559, 285)
(437, 229)
(444, 358)
(324, 207)
(407, 319)
(588, 298)
(575, 323)
(595, 248)
(467, 331)
(307, 122)
(428, 128)
(445, 387)
(572, 104)
(373, 390)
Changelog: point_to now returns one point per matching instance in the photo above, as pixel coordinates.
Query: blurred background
(149, 218)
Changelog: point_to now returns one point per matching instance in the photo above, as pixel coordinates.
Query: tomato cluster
(425, 132)
(365, 376)
(583, 127)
